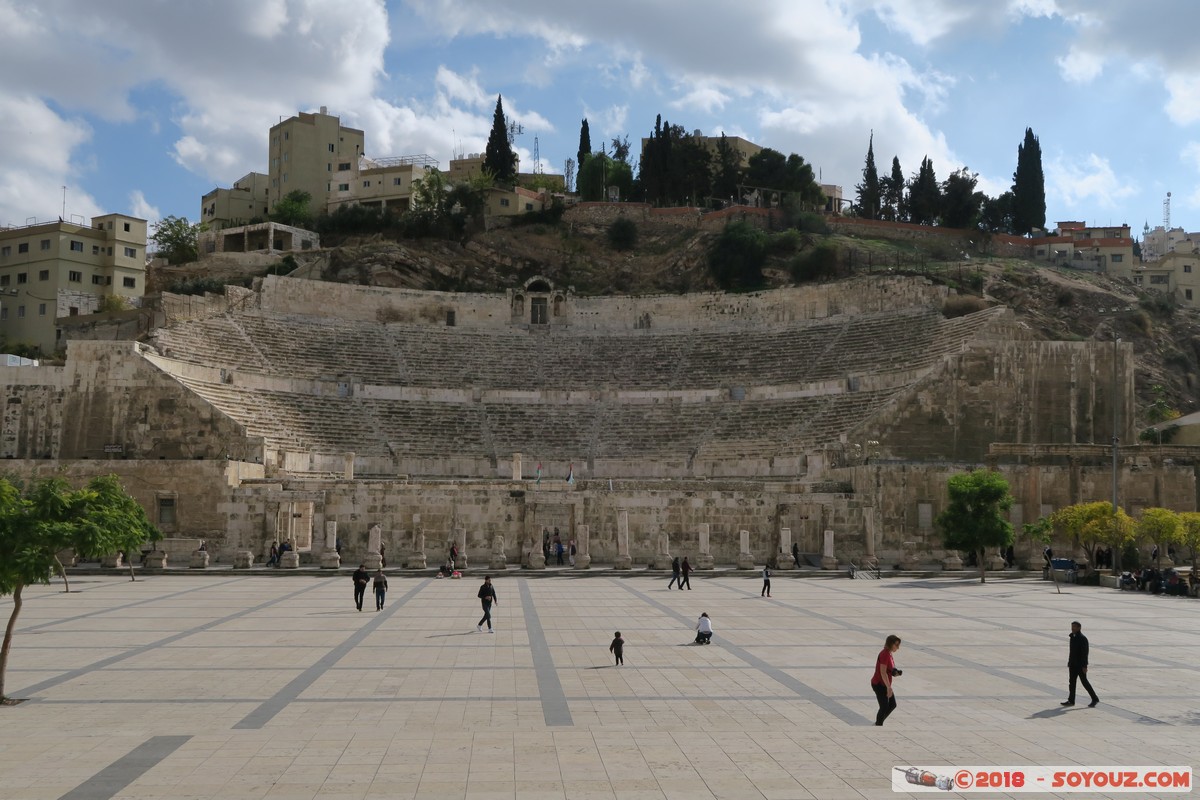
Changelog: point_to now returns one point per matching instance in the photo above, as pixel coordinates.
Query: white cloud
(1090, 178)
(701, 98)
(139, 206)
(1080, 65)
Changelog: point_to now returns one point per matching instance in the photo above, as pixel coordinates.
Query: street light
(1115, 447)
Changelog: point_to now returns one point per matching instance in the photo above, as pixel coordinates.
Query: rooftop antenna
(64, 210)
(537, 159)
(1167, 213)
(515, 129)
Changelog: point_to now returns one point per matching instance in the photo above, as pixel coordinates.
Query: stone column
(499, 561)
(112, 560)
(623, 560)
(531, 556)
(828, 559)
(744, 560)
(199, 560)
(348, 471)
(869, 521)
(952, 562)
(156, 559)
(290, 559)
(908, 560)
(372, 560)
(460, 537)
(662, 559)
(416, 559)
(330, 558)
(516, 467)
(705, 559)
(583, 559)
(243, 559)
(783, 559)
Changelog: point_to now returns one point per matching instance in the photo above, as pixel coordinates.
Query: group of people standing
(379, 583)
(680, 573)
(554, 544)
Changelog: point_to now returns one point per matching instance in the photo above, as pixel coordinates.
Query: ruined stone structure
(785, 414)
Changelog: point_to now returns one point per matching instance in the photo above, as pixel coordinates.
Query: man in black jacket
(1077, 664)
(487, 596)
(360, 576)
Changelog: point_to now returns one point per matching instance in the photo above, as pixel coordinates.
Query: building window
(23, 247)
(3, 312)
(331, 147)
(1187, 293)
(3, 280)
(397, 181)
(95, 249)
(127, 227)
(504, 202)
(1041, 251)
(20, 312)
(6, 251)
(46, 244)
(343, 187)
(131, 252)
(1187, 267)
(1116, 258)
(97, 280)
(342, 167)
(41, 309)
(75, 277)
(129, 283)
(366, 184)
(22, 277)
(328, 166)
(1160, 279)
(76, 247)
(166, 511)
(529, 206)
(43, 274)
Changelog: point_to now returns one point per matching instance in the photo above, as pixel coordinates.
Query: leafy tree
(1161, 526)
(175, 240)
(770, 169)
(1038, 532)
(112, 302)
(817, 264)
(499, 158)
(1189, 536)
(599, 171)
(737, 257)
(293, 209)
(1092, 525)
(892, 190)
(623, 233)
(585, 143)
(620, 149)
(49, 516)
(569, 174)
(924, 195)
(727, 170)
(996, 214)
(960, 201)
(975, 520)
(869, 194)
(1029, 187)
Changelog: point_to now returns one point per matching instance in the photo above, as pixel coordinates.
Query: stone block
(155, 560)
(330, 560)
(745, 561)
(583, 561)
(952, 563)
(290, 560)
(498, 562)
(113, 561)
(198, 560)
(704, 561)
(623, 562)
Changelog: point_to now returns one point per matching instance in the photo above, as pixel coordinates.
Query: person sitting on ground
(1127, 582)
(704, 629)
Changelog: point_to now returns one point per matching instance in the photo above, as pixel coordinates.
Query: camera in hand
(894, 672)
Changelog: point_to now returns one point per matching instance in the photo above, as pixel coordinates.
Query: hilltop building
(63, 269)
(1078, 246)
(248, 199)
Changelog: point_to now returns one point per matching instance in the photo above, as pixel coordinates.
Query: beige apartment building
(246, 200)
(1092, 248)
(63, 269)
(379, 182)
(312, 153)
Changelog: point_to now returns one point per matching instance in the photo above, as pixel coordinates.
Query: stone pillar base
(745, 561)
(661, 561)
(499, 563)
(67, 558)
(114, 561)
(461, 563)
(330, 560)
(704, 561)
(997, 563)
(534, 560)
(243, 559)
(199, 560)
(583, 562)
(783, 562)
(416, 561)
(372, 562)
(909, 562)
(156, 559)
(623, 562)
(290, 560)
(829, 562)
(952, 563)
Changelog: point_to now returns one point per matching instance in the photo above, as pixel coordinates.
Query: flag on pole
(571, 474)
(539, 473)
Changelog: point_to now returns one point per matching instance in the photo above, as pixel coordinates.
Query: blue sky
(143, 106)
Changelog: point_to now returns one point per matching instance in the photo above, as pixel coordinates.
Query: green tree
(623, 233)
(175, 240)
(48, 517)
(924, 195)
(727, 170)
(737, 257)
(960, 201)
(770, 169)
(621, 149)
(585, 143)
(598, 172)
(892, 189)
(870, 198)
(974, 519)
(1092, 525)
(996, 214)
(499, 158)
(293, 209)
(1029, 187)
(1190, 535)
(1160, 526)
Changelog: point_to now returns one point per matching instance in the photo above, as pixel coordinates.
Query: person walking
(674, 575)
(487, 596)
(704, 629)
(1077, 664)
(881, 678)
(558, 549)
(360, 576)
(617, 648)
(766, 590)
(382, 555)
(380, 587)
(685, 569)
(796, 554)
(273, 561)
(453, 556)
(571, 553)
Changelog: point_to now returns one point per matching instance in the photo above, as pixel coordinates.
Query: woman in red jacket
(881, 679)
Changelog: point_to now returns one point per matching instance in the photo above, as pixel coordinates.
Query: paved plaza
(240, 686)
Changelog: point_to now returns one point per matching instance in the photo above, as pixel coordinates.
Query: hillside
(1055, 303)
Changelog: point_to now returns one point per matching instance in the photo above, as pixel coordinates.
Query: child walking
(617, 648)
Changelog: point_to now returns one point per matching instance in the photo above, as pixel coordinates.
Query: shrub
(551, 216)
(1065, 298)
(737, 256)
(819, 263)
(111, 302)
(1162, 305)
(623, 233)
(784, 243)
(808, 222)
(197, 286)
(962, 305)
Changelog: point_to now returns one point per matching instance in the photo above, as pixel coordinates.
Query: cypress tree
(1029, 187)
(895, 192)
(868, 190)
(499, 158)
(585, 143)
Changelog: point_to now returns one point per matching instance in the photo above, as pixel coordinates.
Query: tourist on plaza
(360, 577)
(273, 561)
(382, 556)
(685, 569)
(380, 586)
(766, 590)
(881, 678)
(453, 556)
(674, 575)
(487, 596)
(1077, 664)
(571, 553)
(704, 629)
(558, 549)
(617, 648)
(796, 554)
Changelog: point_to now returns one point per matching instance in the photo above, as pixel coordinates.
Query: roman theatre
(721, 426)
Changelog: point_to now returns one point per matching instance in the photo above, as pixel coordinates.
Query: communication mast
(537, 160)
(1167, 213)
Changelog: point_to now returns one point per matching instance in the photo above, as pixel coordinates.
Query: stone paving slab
(227, 685)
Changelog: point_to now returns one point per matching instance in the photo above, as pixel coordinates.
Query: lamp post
(1115, 447)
